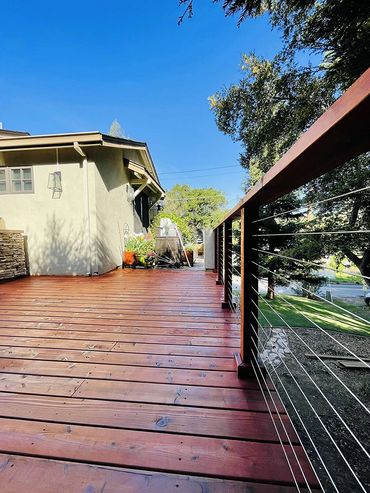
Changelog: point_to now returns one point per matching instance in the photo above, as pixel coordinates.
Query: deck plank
(50, 476)
(152, 417)
(247, 460)
(131, 377)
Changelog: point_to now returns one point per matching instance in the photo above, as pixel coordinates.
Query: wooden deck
(126, 383)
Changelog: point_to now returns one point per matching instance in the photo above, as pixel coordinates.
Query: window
(2, 180)
(16, 180)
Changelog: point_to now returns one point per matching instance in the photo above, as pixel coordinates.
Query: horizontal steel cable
(346, 426)
(303, 233)
(313, 204)
(295, 409)
(276, 428)
(323, 363)
(314, 294)
(307, 262)
(325, 332)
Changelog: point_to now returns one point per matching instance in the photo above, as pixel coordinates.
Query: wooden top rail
(340, 134)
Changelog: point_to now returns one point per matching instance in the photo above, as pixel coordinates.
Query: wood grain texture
(132, 370)
(51, 476)
(247, 460)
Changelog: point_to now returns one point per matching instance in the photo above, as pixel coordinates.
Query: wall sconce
(55, 184)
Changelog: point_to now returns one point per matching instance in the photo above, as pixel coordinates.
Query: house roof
(9, 133)
(83, 139)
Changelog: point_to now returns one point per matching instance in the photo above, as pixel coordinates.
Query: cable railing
(284, 342)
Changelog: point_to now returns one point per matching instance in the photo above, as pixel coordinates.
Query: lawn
(324, 314)
(344, 278)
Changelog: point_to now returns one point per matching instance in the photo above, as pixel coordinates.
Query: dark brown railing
(340, 134)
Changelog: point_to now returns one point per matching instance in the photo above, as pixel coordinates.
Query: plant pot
(129, 259)
(190, 256)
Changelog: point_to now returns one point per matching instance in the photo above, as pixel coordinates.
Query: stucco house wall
(114, 214)
(55, 227)
(82, 229)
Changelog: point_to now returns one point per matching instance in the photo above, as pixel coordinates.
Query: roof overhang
(143, 177)
(83, 139)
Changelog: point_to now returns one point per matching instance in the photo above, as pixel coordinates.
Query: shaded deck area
(126, 383)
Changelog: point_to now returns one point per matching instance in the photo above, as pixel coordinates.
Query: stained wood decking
(126, 383)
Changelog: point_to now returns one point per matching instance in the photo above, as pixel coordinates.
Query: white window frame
(9, 180)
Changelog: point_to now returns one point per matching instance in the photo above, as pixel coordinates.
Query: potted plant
(189, 249)
(139, 250)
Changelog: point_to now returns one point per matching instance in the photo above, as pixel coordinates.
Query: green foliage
(338, 30)
(186, 232)
(143, 247)
(278, 99)
(266, 112)
(140, 245)
(268, 109)
(193, 209)
(349, 213)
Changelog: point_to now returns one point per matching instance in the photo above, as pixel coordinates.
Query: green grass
(324, 314)
(344, 278)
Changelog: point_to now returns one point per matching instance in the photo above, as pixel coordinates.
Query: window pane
(2, 186)
(17, 186)
(2, 174)
(27, 185)
(26, 173)
(16, 174)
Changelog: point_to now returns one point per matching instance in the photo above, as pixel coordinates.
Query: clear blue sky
(75, 66)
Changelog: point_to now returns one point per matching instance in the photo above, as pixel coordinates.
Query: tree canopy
(337, 30)
(193, 209)
(278, 99)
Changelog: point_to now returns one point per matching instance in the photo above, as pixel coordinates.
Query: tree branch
(188, 12)
(352, 256)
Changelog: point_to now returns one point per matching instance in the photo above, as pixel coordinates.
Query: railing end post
(245, 370)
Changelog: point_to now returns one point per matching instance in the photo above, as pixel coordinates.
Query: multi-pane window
(3, 181)
(16, 180)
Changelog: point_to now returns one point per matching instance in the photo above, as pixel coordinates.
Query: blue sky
(75, 66)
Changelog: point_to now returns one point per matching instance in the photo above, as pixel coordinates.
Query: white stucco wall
(114, 214)
(56, 228)
(83, 231)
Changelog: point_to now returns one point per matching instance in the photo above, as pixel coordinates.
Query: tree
(269, 108)
(338, 30)
(116, 130)
(349, 213)
(278, 99)
(197, 208)
(266, 112)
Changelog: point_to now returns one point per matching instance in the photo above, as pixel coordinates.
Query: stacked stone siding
(12, 254)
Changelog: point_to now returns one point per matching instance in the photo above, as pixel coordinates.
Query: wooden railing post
(220, 255)
(228, 265)
(248, 294)
(215, 246)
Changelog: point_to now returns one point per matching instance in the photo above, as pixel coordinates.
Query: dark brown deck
(126, 383)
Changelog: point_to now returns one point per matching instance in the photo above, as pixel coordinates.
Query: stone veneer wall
(12, 254)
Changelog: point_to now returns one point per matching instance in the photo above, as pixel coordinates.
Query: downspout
(86, 202)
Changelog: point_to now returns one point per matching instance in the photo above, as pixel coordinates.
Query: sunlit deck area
(126, 383)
